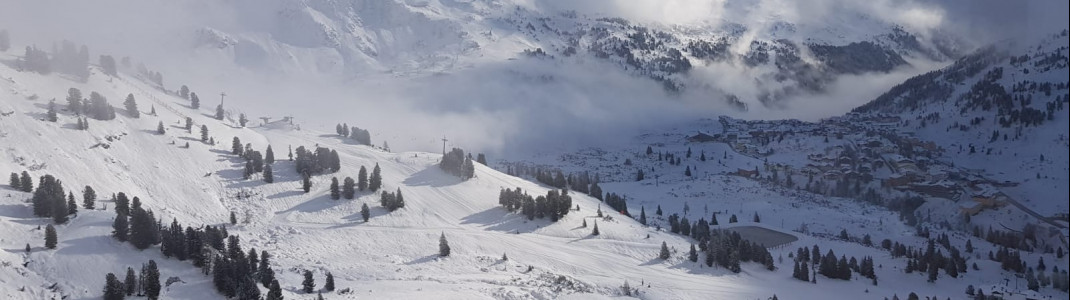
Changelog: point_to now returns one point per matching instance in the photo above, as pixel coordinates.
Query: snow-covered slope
(1001, 110)
(393, 255)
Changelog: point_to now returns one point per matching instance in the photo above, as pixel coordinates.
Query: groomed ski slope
(394, 254)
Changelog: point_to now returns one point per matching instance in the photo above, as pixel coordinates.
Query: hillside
(392, 255)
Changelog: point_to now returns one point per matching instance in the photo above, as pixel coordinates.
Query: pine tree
(269, 177)
(319, 296)
(365, 213)
(233, 219)
(349, 187)
(306, 183)
(269, 156)
(113, 288)
(328, 283)
(131, 106)
(595, 230)
(757, 219)
(159, 129)
(120, 227)
(50, 237)
(204, 133)
(14, 182)
(664, 254)
(658, 212)
(642, 215)
(443, 246)
(274, 291)
(219, 112)
(130, 284)
(242, 120)
(692, 254)
(51, 115)
(60, 211)
(687, 171)
(151, 283)
(72, 207)
(336, 193)
(27, 182)
(362, 179)
(732, 219)
(375, 181)
(263, 271)
(309, 284)
(236, 147)
(195, 102)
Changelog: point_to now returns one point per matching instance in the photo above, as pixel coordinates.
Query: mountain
(1000, 109)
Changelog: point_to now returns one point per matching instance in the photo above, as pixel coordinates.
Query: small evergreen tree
(113, 288)
(595, 230)
(120, 227)
(242, 120)
(219, 112)
(131, 106)
(159, 129)
(349, 187)
(130, 284)
(27, 182)
(269, 176)
(269, 156)
(151, 282)
(757, 219)
(365, 213)
(233, 218)
(195, 102)
(328, 283)
(336, 192)
(14, 182)
(72, 207)
(274, 291)
(51, 115)
(443, 246)
(692, 254)
(362, 179)
(642, 215)
(664, 254)
(204, 133)
(375, 181)
(309, 284)
(50, 237)
(733, 219)
(306, 183)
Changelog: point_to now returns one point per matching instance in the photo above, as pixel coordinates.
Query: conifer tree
(120, 227)
(51, 115)
(443, 246)
(664, 254)
(219, 112)
(349, 187)
(336, 192)
(658, 212)
(159, 129)
(595, 230)
(375, 181)
(362, 179)
(269, 156)
(242, 120)
(113, 288)
(692, 254)
(642, 215)
(233, 218)
(89, 198)
(309, 284)
(236, 147)
(757, 219)
(268, 175)
(50, 237)
(733, 219)
(274, 291)
(151, 283)
(60, 211)
(687, 171)
(189, 124)
(195, 102)
(14, 182)
(306, 183)
(365, 213)
(204, 133)
(328, 284)
(27, 182)
(130, 284)
(131, 106)
(72, 207)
